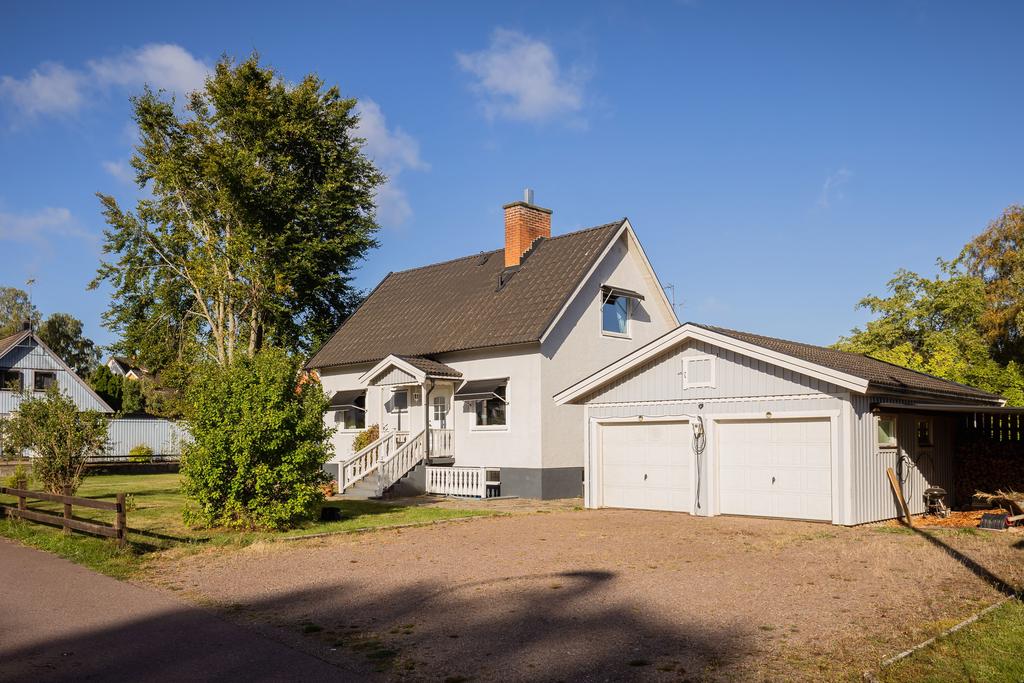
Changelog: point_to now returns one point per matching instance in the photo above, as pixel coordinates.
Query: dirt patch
(598, 595)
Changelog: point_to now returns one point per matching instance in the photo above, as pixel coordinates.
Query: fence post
(67, 510)
(119, 520)
(21, 501)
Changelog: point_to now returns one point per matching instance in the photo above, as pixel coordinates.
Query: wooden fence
(67, 521)
(1000, 427)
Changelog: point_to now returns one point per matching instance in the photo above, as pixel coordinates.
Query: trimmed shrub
(260, 443)
(140, 453)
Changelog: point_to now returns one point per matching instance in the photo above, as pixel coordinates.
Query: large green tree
(964, 324)
(64, 334)
(15, 311)
(259, 206)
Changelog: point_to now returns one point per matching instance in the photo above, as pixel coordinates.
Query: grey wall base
(412, 484)
(547, 483)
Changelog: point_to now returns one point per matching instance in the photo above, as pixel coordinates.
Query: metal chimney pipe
(528, 196)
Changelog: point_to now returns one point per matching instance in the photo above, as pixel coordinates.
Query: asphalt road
(62, 622)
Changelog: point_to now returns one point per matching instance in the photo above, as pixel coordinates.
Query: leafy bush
(365, 438)
(259, 446)
(19, 479)
(140, 453)
(61, 438)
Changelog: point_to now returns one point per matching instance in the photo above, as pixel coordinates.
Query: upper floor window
(42, 381)
(615, 315)
(11, 380)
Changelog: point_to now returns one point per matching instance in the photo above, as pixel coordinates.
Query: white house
(712, 421)
(458, 361)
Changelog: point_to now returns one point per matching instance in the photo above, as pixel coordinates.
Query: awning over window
(481, 390)
(608, 291)
(348, 399)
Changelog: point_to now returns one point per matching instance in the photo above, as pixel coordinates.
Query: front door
(398, 410)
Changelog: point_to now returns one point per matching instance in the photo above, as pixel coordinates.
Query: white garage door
(776, 468)
(647, 466)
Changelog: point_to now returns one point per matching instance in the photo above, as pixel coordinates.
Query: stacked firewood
(988, 467)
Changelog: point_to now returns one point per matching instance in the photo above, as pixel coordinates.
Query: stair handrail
(398, 464)
(365, 461)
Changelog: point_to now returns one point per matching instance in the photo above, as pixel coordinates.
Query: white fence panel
(164, 437)
(457, 481)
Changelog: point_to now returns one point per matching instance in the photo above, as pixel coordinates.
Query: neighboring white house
(28, 367)
(458, 361)
(783, 429)
(121, 366)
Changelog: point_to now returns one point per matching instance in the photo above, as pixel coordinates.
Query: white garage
(646, 466)
(789, 430)
(776, 468)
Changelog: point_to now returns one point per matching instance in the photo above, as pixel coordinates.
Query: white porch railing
(398, 464)
(442, 443)
(366, 461)
(457, 481)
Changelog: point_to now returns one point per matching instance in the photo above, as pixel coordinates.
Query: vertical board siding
(736, 376)
(873, 499)
(29, 357)
(393, 376)
(164, 437)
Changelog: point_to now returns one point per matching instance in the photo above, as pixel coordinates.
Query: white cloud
(53, 89)
(518, 77)
(832, 188)
(393, 151)
(120, 170)
(49, 89)
(170, 67)
(37, 228)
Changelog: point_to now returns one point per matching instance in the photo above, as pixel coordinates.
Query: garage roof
(853, 371)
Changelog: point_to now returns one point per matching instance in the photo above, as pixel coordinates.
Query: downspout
(426, 418)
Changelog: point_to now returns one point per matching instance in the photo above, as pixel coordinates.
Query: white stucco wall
(576, 347)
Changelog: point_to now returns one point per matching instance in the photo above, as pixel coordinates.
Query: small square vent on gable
(698, 371)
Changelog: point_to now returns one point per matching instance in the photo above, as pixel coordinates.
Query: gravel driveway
(606, 595)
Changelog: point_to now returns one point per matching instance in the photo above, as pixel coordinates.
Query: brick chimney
(525, 223)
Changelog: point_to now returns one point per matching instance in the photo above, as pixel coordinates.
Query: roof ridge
(831, 349)
(497, 251)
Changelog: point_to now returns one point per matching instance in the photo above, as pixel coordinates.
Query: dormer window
(616, 307)
(615, 315)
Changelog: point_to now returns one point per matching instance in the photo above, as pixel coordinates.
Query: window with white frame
(491, 412)
(352, 415)
(924, 432)
(615, 315)
(698, 371)
(887, 431)
(440, 412)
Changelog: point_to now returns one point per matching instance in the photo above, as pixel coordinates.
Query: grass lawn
(990, 649)
(155, 523)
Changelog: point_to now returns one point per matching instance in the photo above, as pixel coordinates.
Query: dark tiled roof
(879, 374)
(7, 343)
(458, 304)
(431, 367)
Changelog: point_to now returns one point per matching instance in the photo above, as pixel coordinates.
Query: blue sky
(778, 160)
